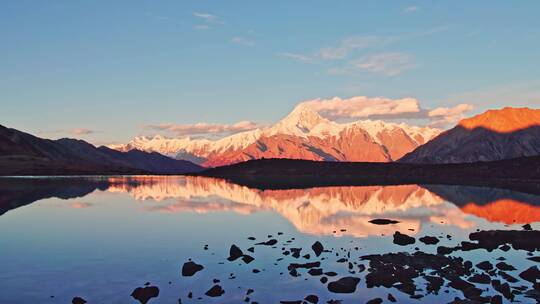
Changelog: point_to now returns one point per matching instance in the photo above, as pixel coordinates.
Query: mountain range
(495, 135)
(303, 134)
(24, 154)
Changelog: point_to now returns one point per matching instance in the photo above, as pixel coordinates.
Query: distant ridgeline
(25, 154)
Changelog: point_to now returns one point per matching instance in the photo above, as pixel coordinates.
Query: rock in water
(313, 299)
(344, 285)
(144, 294)
(429, 240)
(270, 242)
(234, 253)
(78, 300)
(532, 274)
(403, 239)
(317, 248)
(215, 291)
(190, 268)
(383, 221)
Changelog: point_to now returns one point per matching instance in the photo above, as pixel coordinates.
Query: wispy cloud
(295, 56)
(346, 46)
(340, 59)
(388, 64)
(243, 41)
(411, 9)
(208, 18)
(524, 93)
(349, 44)
(208, 21)
(203, 128)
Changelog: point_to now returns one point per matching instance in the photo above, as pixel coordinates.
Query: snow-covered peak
(300, 122)
(303, 117)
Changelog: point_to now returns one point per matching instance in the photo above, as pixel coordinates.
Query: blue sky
(104, 70)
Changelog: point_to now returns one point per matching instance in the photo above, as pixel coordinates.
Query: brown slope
(493, 135)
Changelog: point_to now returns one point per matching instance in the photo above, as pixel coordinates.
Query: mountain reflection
(320, 211)
(317, 211)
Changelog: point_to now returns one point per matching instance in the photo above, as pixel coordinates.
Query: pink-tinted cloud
(444, 116)
(203, 128)
(362, 106)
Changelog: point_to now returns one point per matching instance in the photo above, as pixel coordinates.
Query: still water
(99, 238)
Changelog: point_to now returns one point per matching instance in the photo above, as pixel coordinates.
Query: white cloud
(388, 64)
(203, 128)
(362, 107)
(411, 9)
(243, 41)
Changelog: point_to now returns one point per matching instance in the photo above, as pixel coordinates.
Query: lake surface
(99, 238)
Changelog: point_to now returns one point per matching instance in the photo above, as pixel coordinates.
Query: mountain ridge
(25, 154)
(302, 134)
(493, 135)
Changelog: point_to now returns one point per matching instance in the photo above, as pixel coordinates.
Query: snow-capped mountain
(303, 134)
